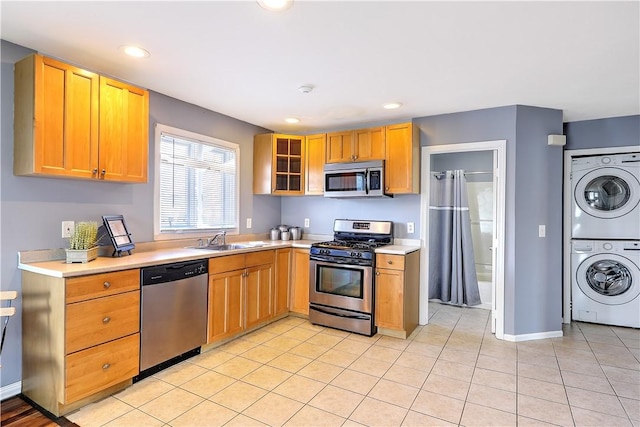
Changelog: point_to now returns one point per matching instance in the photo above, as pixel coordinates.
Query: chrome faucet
(215, 238)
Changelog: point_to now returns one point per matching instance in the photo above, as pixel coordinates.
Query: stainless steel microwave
(355, 179)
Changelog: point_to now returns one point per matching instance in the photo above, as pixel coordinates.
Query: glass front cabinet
(278, 164)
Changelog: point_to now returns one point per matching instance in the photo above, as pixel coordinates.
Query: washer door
(609, 279)
(607, 192)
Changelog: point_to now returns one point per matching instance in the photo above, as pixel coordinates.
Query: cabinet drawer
(393, 262)
(99, 285)
(259, 258)
(100, 367)
(96, 321)
(226, 263)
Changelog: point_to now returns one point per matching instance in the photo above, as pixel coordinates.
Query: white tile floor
(450, 372)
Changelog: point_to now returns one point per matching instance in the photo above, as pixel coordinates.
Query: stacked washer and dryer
(605, 239)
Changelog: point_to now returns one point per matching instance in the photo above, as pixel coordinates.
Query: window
(196, 184)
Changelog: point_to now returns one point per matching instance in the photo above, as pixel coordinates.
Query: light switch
(249, 223)
(542, 231)
(306, 222)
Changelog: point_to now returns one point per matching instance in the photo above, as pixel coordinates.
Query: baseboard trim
(536, 336)
(10, 390)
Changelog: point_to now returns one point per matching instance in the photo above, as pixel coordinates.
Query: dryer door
(609, 279)
(607, 192)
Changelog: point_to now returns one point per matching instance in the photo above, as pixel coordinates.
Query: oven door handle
(355, 316)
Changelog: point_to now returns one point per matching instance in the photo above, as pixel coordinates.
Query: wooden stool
(7, 295)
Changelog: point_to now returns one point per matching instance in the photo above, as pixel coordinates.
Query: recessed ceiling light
(292, 120)
(135, 51)
(392, 105)
(275, 5)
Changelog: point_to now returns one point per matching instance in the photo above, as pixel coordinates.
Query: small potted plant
(83, 243)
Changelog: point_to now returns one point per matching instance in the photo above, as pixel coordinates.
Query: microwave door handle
(366, 181)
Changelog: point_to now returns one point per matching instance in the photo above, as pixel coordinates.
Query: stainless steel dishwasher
(173, 317)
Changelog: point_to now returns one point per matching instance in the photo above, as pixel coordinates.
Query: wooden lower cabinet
(100, 367)
(80, 337)
(300, 282)
(260, 289)
(226, 295)
(283, 272)
(241, 289)
(397, 293)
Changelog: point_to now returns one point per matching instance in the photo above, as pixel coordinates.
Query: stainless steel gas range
(342, 285)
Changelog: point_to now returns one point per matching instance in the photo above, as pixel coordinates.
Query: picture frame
(118, 233)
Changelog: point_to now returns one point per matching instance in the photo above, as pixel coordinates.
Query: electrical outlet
(410, 227)
(542, 231)
(248, 222)
(67, 228)
(306, 222)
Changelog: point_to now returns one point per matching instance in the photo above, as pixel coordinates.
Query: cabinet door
(100, 367)
(283, 269)
(259, 283)
(390, 298)
(288, 158)
(300, 285)
(401, 168)
(124, 128)
(56, 119)
(369, 144)
(340, 147)
(315, 164)
(225, 305)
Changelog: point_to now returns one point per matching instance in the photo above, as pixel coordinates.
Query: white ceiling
(434, 57)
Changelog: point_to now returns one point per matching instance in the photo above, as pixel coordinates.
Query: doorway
(485, 166)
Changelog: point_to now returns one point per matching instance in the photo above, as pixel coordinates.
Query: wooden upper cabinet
(70, 123)
(316, 145)
(124, 132)
(340, 147)
(55, 119)
(369, 144)
(279, 164)
(402, 159)
(360, 145)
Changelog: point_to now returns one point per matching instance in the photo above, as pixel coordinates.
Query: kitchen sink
(228, 247)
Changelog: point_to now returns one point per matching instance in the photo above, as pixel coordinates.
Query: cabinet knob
(104, 171)
(377, 273)
(106, 320)
(106, 285)
(94, 171)
(386, 188)
(389, 261)
(106, 366)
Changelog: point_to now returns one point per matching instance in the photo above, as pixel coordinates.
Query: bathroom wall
(480, 193)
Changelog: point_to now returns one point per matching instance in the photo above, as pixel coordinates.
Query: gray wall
(533, 195)
(537, 301)
(610, 132)
(38, 205)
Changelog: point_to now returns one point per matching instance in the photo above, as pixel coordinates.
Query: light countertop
(138, 259)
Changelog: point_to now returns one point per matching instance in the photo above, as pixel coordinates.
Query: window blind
(198, 182)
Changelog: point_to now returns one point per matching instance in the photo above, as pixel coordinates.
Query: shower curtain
(452, 270)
